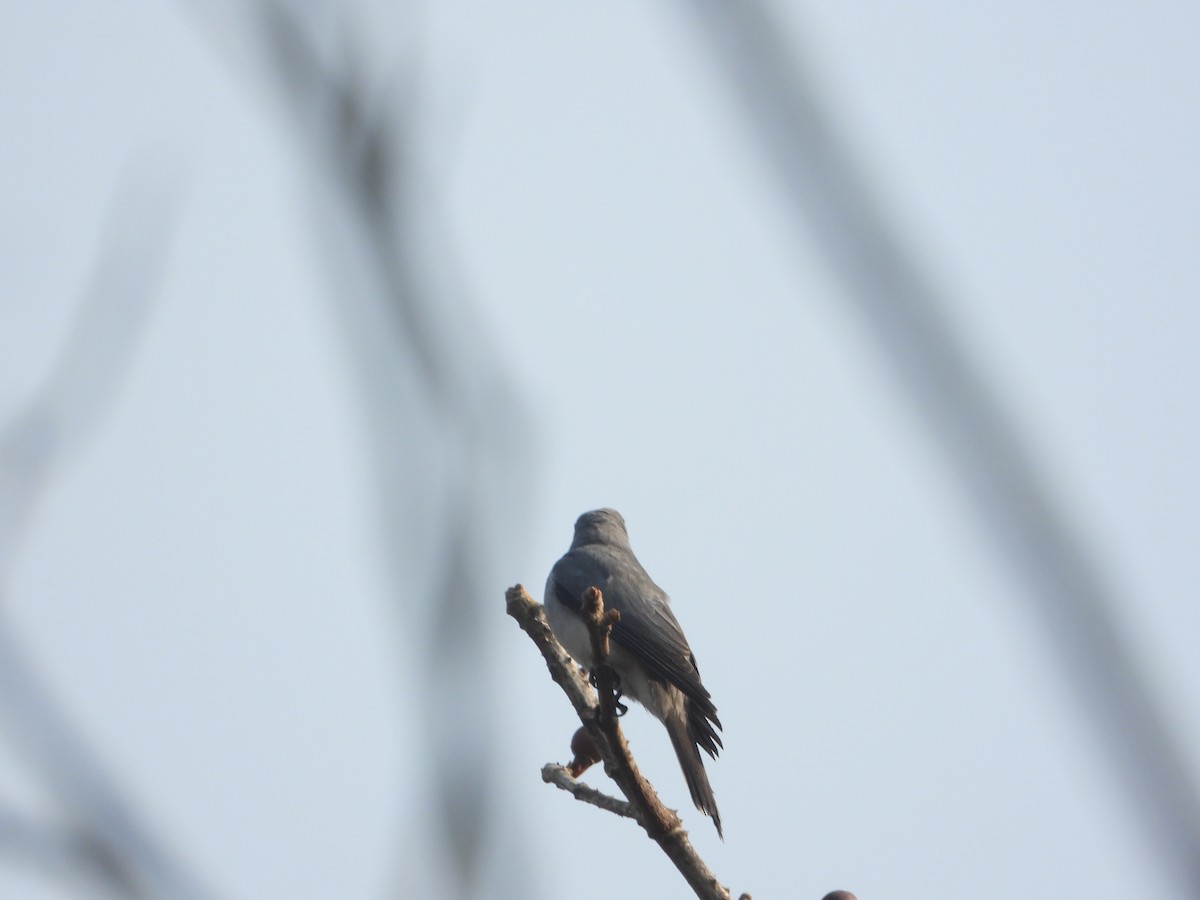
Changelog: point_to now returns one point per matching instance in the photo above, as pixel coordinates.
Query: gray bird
(649, 653)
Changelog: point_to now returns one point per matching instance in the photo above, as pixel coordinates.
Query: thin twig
(560, 777)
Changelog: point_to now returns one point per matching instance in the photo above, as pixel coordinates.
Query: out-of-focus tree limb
(126, 858)
(64, 855)
(901, 303)
(442, 417)
(87, 375)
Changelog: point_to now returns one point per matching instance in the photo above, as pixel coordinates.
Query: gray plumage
(648, 650)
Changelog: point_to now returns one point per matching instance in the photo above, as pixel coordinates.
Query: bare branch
(598, 717)
(600, 624)
(560, 777)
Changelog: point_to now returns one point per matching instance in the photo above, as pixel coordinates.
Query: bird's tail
(693, 770)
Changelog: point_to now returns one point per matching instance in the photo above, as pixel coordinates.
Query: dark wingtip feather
(702, 727)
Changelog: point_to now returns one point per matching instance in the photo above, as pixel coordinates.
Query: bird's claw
(619, 708)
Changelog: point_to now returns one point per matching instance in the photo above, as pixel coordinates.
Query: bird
(648, 651)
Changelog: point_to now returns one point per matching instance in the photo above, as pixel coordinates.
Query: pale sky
(206, 585)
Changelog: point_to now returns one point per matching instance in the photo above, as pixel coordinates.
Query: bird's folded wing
(648, 629)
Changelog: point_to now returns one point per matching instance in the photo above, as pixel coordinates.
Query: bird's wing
(652, 633)
(648, 629)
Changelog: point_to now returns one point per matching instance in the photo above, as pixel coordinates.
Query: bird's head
(600, 526)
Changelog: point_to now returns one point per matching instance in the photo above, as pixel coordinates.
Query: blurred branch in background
(97, 354)
(903, 307)
(62, 854)
(102, 838)
(443, 419)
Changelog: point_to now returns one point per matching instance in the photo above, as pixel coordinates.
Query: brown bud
(585, 750)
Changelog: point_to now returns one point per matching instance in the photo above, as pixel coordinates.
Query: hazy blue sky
(204, 585)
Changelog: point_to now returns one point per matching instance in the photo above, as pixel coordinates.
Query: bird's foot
(619, 708)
